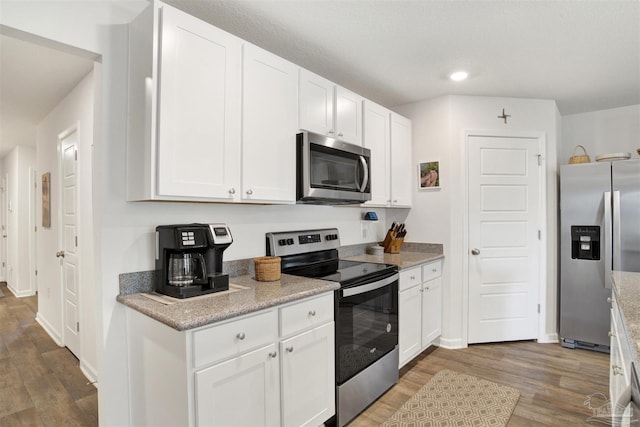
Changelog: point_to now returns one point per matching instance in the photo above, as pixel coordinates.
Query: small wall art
(46, 200)
(429, 175)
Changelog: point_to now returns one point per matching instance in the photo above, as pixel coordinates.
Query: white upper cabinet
(184, 108)
(199, 114)
(376, 137)
(269, 127)
(348, 116)
(328, 109)
(316, 103)
(401, 161)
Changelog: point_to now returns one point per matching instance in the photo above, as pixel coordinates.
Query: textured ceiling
(583, 54)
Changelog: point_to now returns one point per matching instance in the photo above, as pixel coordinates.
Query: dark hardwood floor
(40, 383)
(554, 382)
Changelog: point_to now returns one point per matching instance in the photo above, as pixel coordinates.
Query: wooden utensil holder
(392, 243)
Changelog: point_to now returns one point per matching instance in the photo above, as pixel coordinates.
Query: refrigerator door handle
(616, 237)
(607, 240)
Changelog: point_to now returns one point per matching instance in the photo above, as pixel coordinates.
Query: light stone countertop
(626, 286)
(403, 260)
(247, 296)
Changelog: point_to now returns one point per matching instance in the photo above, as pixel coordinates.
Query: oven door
(366, 325)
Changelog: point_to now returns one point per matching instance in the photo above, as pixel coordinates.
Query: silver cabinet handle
(312, 312)
(610, 300)
(330, 131)
(241, 336)
(290, 349)
(60, 254)
(249, 192)
(475, 251)
(273, 354)
(340, 134)
(412, 277)
(232, 191)
(434, 270)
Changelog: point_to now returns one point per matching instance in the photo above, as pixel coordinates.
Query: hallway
(40, 383)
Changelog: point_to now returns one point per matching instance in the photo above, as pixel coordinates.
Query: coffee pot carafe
(185, 269)
(189, 259)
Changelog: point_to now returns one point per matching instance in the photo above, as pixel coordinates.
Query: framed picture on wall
(46, 200)
(429, 175)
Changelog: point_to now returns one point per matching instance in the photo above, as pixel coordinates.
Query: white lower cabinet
(243, 391)
(308, 377)
(275, 367)
(420, 309)
(620, 368)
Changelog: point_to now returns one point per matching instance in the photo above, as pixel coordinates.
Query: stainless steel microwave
(330, 171)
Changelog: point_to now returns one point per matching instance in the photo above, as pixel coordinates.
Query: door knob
(60, 254)
(475, 251)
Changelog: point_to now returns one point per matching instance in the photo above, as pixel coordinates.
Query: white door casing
(4, 214)
(504, 185)
(33, 223)
(69, 240)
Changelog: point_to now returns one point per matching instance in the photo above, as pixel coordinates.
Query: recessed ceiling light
(458, 76)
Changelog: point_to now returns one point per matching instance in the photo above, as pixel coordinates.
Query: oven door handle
(356, 290)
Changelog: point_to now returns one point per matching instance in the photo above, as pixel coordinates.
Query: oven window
(334, 169)
(366, 329)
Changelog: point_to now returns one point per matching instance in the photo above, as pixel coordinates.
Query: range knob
(282, 242)
(289, 241)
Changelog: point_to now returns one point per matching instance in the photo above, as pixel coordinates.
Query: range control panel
(297, 242)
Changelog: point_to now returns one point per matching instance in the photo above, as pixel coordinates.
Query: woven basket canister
(267, 268)
(582, 158)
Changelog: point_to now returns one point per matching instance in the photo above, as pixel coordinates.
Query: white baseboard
(20, 294)
(55, 336)
(549, 338)
(451, 344)
(90, 372)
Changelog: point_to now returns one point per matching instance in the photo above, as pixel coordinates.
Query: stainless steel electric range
(366, 314)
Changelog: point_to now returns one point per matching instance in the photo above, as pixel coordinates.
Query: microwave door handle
(365, 178)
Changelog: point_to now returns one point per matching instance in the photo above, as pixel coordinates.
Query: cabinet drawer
(306, 314)
(431, 270)
(410, 278)
(235, 337)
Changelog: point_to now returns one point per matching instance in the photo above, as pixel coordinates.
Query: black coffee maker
(189, 259)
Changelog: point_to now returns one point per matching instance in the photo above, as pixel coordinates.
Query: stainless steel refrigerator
(599, 232)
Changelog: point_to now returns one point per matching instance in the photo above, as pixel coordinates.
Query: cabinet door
(402, 169)
(376, 137)
(269, 127)
(409, 309)
(243, 391)
(199, 109)
(308, 377)
(348, 116)
(316, 103)
(431, 311)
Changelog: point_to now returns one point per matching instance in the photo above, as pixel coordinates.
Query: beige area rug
(454, 399)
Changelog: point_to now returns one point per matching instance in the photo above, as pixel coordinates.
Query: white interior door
(3, 229)
(503, 238)
(69, 239)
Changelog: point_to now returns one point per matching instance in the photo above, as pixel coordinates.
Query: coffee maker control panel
(192, 238)
(221, 234)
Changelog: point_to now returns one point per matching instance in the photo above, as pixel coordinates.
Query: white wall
(439, 126)
(606, 131)
(17, 164)
(75, 111)
(3, 241)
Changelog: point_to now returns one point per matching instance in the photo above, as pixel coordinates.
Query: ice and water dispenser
(585, 242)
